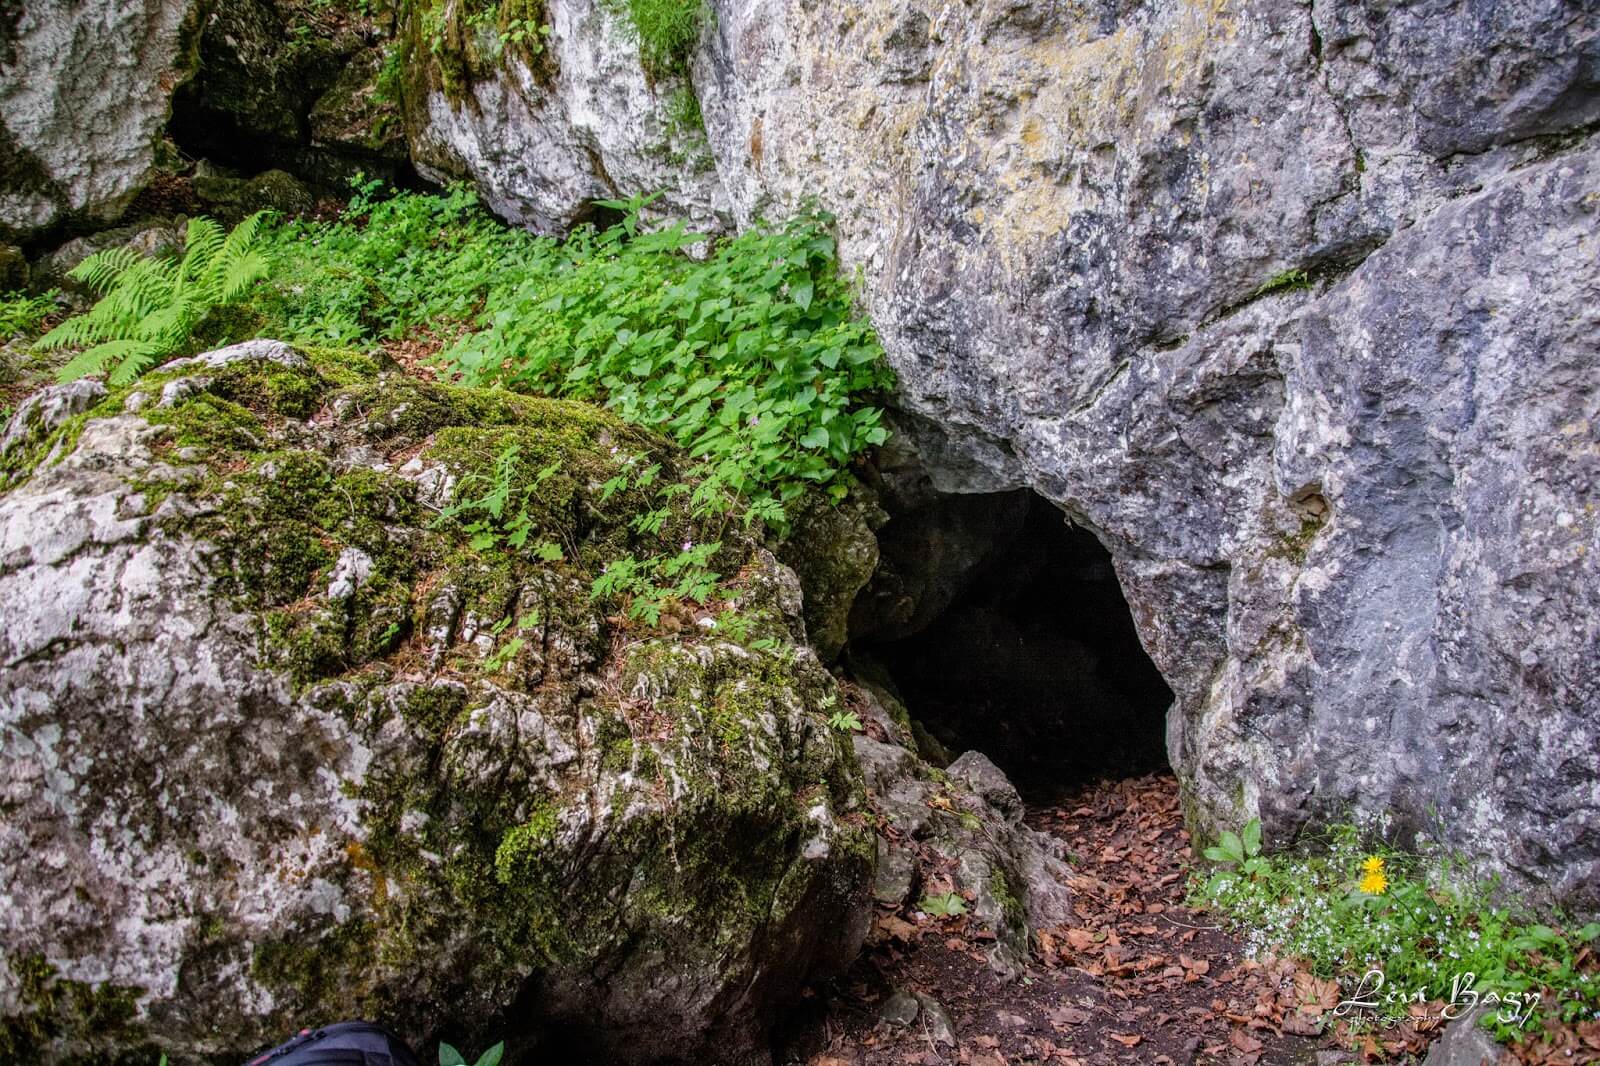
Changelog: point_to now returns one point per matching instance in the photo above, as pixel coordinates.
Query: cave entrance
(1004, 629)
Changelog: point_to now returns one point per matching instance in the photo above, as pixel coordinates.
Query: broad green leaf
(1252, 837)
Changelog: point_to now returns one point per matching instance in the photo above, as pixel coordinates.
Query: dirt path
(1140, 979)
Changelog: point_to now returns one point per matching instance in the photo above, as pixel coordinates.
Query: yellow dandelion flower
(1373, 879)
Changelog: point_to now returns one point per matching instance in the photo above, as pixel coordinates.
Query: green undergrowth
(1395, 928)
(745, 352)
(665, 30)
(22, 314)
(751, 357)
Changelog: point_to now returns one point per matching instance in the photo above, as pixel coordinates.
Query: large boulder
(1294, 306)
(85, 93)
(282, 747)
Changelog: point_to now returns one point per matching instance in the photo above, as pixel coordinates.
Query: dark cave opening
(1004, 629)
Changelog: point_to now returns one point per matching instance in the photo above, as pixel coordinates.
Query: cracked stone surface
(1354, 515)
(85, 90)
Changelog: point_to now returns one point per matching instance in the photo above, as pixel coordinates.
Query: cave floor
(1140, 979)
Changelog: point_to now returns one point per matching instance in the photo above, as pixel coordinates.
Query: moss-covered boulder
(290, 736)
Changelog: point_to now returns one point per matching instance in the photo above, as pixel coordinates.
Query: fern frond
(150, 307)
(69, 334)
(135, 362)
(169, 327)
(243, 237)
(100, 271)
(203, 243)
(145, 288)
(94, 360)
(238, 263)
(242, 273)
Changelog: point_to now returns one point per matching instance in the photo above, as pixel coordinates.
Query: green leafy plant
(648, 585)
(449, 1056)
(392, 267)
(503, 510)
(845, 721)
(751, 357)
(1423, 921)
(1243, 850)
(947, 905)
(22, 314)
(150, 306)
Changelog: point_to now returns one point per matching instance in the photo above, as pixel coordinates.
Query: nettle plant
(752, 358)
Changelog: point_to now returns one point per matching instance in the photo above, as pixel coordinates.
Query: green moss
(270, 390)
(1284, 281)
(518, 859)
(834, 551)
(211, 422)
(1295, 546)
(435, 708)
(316, 970)
(342, 368)
(403, 411)
(454, 45)
(102, 1014)
(1010, 905)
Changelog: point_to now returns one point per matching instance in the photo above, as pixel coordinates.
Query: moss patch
(54, 1007)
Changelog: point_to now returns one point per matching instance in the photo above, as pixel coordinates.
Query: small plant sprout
(1243, 851)
(449, 1056)
(845, 722)
(945, 905)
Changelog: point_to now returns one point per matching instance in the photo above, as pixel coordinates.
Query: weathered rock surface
(1466, 1043)
(85, 92)
(279, 748)
(544, 130)
(958, 830)
(1292, 304)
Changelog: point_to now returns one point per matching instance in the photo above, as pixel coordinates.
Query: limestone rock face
(1293, 306)
(278, 748)
(549, 124)
(85, 90)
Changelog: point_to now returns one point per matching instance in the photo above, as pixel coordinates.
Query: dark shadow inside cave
(1005, 631)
